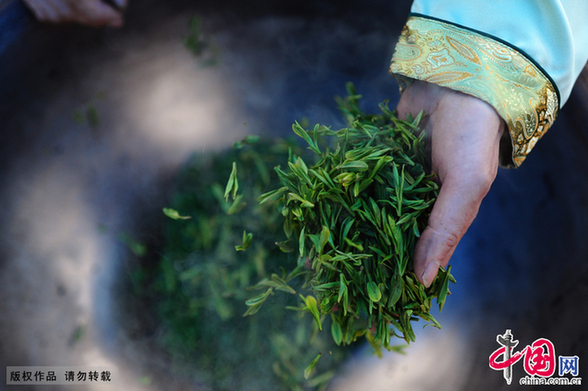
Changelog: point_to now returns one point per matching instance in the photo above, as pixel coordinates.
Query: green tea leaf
(237, 205)
(255, 303)
(304, 134)
(172, 213)
(285, 246)
(443, 287)
(395, 290)
(312, 307)
(374, 291)
(310, 368)
(247, 239)
(303, 203)
(354, 166)
(325, 235)
(273, 195)
(301, 243)
(336, 332)
(232, 184)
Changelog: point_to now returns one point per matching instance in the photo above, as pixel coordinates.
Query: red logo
(539, 357)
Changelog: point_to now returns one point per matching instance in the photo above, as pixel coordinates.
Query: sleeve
(522, 57)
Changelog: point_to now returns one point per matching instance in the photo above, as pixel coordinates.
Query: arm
(486, 97)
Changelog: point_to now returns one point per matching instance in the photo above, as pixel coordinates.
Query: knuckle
(482, 181)
(451, 240)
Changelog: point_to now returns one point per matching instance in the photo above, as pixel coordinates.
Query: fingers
(90, 12)
(454, 211)
(465, 158)
(96, 13)
(42, 10)
(464, 133)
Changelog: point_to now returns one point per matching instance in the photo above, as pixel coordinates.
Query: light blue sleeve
(553, 33)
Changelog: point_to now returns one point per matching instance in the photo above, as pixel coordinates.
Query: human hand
(91, 12)
(464, 134)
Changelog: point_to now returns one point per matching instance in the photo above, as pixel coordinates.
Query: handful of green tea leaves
(354, 215)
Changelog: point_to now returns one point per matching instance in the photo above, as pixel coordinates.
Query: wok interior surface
(96, 123)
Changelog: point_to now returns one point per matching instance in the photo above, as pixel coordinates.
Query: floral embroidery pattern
(477, 65)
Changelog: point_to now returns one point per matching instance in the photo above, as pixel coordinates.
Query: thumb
(455, 209)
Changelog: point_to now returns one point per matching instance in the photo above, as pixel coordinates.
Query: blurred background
(96, 123)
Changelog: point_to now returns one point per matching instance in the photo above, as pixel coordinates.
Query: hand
(91, 12)
(464, 134)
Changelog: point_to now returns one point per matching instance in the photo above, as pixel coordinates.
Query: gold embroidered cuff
(467, 61)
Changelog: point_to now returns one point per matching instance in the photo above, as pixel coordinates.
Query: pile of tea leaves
(332, 227)
(352, 215)
(199, 286)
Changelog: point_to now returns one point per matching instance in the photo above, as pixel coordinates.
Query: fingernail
(430, 273)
